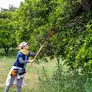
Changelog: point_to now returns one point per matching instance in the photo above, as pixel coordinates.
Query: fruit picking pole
(40, 49)
(49, 35)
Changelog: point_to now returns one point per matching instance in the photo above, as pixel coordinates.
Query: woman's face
(26, 47)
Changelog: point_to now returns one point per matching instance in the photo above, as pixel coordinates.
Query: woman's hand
(31, 61)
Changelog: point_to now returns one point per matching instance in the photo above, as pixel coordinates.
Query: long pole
(49, 35)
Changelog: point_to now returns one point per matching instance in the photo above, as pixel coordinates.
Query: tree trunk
(6, 48)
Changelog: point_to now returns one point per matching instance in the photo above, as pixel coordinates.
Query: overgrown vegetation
(61, 81)
(72, 19)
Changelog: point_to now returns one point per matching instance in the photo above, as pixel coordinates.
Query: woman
(16, 74)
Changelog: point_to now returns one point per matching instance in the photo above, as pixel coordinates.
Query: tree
(36, 18)
(7, 31)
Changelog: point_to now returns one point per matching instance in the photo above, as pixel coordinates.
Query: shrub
(70, 81)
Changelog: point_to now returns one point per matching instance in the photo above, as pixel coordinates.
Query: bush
(70, 81)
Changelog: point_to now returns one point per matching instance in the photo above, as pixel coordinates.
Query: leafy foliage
(7, 32)
(70, 81)
(72, 18)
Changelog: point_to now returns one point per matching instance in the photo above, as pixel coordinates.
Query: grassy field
(31, 77)
(62, 81)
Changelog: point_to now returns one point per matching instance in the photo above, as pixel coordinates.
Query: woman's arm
(22, 61)
(32, 54)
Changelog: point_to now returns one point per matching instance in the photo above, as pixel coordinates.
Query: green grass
(31, 77)
(62, 81)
